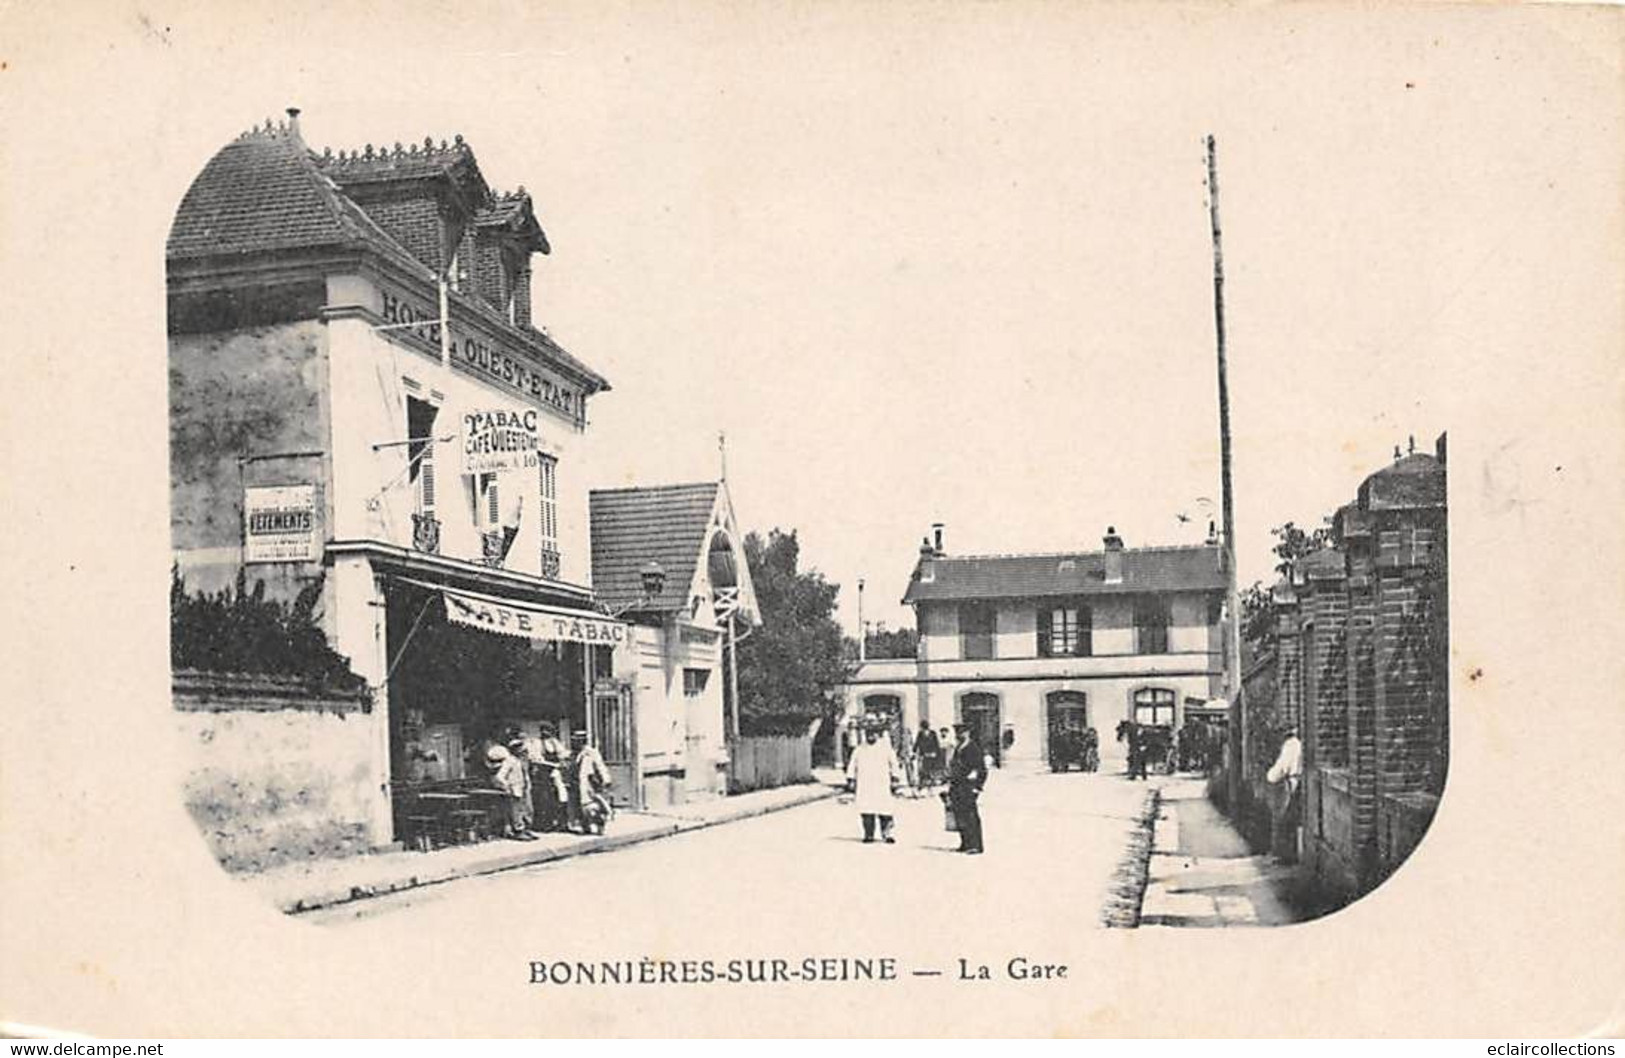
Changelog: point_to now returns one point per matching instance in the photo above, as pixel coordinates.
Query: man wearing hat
(545, 756)
(508, 775)
(589, 809)
(967, 773)
(873, 770)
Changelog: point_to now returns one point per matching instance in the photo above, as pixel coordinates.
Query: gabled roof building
(1022, 646)
(678, 661)
(360, 402)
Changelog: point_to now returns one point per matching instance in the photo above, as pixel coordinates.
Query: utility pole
(863, 630)
(1232, 653)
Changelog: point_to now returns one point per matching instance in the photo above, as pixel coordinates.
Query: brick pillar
(1325, 661)
(1289, 661)
(1404, 720)
(521, 296)
(1357, 542)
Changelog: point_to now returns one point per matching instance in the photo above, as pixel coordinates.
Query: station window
(1151, 626)
(1154, 705)
(976, 631)
(1065, 631)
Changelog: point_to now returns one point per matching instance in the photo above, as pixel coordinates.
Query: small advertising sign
(496, 439)
(280, 524)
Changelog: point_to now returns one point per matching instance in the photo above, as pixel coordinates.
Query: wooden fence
(761, 762)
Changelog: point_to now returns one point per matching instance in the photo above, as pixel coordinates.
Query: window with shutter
(487, 513)
(420, 416)
(1151, 626)
(1044, 650)
(549, 517)
(976, 631)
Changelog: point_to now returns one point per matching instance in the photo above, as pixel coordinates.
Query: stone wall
(277, 773)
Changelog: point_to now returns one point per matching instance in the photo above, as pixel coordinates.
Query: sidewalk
(1203, 874)
(306, 887)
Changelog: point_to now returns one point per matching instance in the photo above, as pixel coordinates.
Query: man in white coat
(1287, 808)
(873, 770)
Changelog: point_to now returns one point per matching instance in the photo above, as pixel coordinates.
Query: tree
(1257, 610)
(892, 643)
(1292, 543)
(789, 667)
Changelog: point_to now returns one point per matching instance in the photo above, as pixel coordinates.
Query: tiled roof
(666, 523)
(260, 193)
(401, 163)
(514, 211)
(1145, 569)
(266, 192)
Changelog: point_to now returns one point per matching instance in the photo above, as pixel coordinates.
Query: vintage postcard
(931, 519)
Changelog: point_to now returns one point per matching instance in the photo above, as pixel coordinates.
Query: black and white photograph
(815, 519)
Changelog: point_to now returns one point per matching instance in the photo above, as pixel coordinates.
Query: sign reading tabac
(496, 439)
(279, 524)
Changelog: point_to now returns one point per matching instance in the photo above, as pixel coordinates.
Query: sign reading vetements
(279, 524)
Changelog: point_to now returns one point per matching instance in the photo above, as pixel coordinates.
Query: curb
(1133, 874)
(531, 858)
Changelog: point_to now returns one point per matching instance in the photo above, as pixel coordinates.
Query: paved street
(801, 877)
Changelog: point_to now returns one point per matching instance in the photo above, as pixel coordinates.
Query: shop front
(470, 667)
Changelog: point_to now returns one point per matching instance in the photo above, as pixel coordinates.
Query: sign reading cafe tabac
(531, 622)
(483, 359)
(496, 439)
(279, 524)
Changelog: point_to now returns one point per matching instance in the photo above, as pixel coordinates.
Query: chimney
(1114, 556)
(1212, 533)
(936, 532)
(927, 568)
(293, 120)
(1440, 448)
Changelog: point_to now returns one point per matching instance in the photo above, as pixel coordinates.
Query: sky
(952, 263)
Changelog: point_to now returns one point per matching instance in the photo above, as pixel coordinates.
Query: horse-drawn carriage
(1071, 747)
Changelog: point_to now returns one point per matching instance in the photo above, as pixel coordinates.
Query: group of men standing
(549, 787)
(877, 775)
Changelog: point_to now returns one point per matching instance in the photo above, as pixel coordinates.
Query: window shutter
(493, 509)
(1044, 616)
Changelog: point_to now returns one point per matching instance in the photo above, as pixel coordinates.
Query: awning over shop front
(529, 620)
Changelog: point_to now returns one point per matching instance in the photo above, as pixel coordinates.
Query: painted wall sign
(280, 524)
(531, 622)
(484, 360)
(496, 439)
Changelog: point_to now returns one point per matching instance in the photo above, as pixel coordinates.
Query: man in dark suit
(967, 773)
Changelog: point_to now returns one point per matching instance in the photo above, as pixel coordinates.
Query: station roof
(1146, 570)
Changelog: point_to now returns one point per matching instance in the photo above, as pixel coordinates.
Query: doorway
(1064, 711)
(979, 711)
